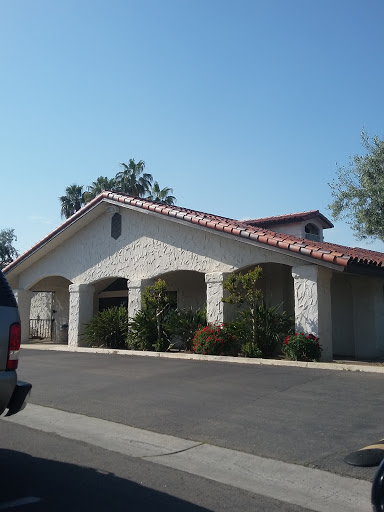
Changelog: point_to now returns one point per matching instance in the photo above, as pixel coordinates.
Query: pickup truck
(13, 393)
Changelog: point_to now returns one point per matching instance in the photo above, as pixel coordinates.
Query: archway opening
(49, 310)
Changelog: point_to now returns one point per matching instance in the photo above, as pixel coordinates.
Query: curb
(201, 357)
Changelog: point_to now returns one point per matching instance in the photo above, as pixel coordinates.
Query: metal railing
(40, 328)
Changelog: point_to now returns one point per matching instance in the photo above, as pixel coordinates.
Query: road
(310, 418)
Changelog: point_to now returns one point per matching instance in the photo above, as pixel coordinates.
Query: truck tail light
(14, 346)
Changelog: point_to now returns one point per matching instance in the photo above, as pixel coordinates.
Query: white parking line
(19, 503)
(312, 489)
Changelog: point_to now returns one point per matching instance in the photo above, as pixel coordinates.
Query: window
(116, 226)
(111, 302)
(312, 232)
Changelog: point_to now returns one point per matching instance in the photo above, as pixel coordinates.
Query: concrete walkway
(352, 366)
(309, 488)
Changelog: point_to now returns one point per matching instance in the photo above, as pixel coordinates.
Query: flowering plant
(215, 340)
(302, 347)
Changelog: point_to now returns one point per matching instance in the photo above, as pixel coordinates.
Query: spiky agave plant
(108, 329)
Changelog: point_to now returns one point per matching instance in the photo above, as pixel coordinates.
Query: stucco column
(216, 309)
(135, 291)
(80, 311)
(23, 298)
(313, 312)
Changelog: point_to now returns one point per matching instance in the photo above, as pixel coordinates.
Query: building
(108, 251)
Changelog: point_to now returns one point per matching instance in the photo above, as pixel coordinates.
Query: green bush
(259, 327)
(156, 303)
(249, 349)
(146, 329)
(183, 323)
(271, 327)
(161, 345)
(302, 347)
(261, 331)
(142, 331)
(215, 340)
(108, 329)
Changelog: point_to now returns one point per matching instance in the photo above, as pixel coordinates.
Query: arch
(276, 284)
(49, 309)
(48, 283)
(189, 287)
(110, 292)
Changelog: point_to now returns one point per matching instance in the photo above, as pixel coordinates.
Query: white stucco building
(116, 245)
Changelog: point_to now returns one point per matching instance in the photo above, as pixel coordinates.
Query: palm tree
(72, 201)
(162, 195)
(102, 183)
(133, 180)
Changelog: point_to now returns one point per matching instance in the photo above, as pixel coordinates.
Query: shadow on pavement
(63, 487)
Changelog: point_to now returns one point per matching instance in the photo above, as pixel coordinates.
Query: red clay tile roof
(321, 251)
(290, 217)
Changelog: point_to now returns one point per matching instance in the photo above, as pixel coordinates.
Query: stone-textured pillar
(23, 298)
(80, 311)
(216, 309)
(135, 291)
(313, 312)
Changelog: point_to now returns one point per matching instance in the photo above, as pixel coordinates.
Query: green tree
(130, 180)
(7, 251)
(358, 191)
(148, 328)
(243, 290)
(133, 180)
(73, 200)
(156, 300)
(161, 194)
(259, 327)
(102, 183)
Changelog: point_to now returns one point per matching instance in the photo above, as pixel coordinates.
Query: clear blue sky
(244, 107)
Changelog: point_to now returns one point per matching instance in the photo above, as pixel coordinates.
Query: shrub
(302, 347)
(108, 329)
(156, 301)
(215, 340)
(261, 331)
(146, 329)
(242, 291)
(249, 349)
(259, 327)
(159, 321)
(183, 323)
(142, 331)
(161, 345)
(271, 327)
